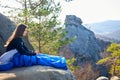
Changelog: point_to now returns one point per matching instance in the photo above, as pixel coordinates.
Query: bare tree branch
(11, 7)
(19, 1)
(36, 5)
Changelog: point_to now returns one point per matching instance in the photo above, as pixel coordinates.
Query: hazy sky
(88, 10)
(92, 10)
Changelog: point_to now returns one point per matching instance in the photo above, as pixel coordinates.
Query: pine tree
(45, 32)
(113, 60)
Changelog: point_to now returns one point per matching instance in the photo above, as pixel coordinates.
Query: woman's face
(25, 32)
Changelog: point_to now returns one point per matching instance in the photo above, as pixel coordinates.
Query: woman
(17, 54)
(16, 42)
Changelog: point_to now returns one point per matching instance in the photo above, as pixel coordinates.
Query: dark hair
(18, 32)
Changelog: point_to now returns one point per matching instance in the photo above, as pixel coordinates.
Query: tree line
(45, 32)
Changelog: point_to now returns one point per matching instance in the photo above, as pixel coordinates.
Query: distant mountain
(114, 35)
(107, 30)
(104, 27)
(107, 38)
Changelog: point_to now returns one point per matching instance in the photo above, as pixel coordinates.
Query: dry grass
(86, 73)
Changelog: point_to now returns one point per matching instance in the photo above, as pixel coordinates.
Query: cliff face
(37, 73)
(85, 47)
(6, 29)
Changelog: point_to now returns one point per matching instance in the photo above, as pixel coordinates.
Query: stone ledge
(37, 73)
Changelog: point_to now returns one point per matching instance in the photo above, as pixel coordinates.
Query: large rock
(36, 73)
(114, 78)
(86, 47)
(6, 29)
(102, 78)
(106, 78)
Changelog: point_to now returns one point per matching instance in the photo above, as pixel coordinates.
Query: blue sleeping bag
(6, 66)
(19, 60)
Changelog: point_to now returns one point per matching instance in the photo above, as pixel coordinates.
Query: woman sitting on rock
(17, 54)
(16, 42)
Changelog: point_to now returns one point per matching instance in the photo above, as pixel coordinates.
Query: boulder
(6, 29)
(102, 78)
(37, 73)
(114, 78)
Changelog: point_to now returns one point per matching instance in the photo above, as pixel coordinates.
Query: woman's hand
(37, 52)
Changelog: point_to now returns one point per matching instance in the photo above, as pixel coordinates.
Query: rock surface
(6, 29)
(102, 78)
(106, 78)
(86, 47)
(114, 78)
(37, 73)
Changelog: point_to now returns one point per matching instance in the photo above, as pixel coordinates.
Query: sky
(90, 11)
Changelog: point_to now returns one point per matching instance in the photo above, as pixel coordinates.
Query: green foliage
(114, 49)
(41, 16)
(113, 59)
(45, 32)
(70, 64)
(115, 70)
(104, 60)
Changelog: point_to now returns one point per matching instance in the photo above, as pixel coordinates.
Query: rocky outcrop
(106, 78)
(36, 73)
(86, 47)
(6, 29)
(102, 78)
(114, 78)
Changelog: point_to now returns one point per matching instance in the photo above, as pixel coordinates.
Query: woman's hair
(18, 32)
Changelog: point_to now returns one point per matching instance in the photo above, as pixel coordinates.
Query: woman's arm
(19, 45)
